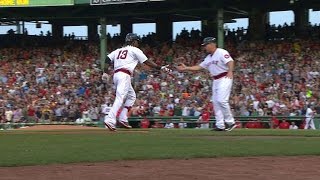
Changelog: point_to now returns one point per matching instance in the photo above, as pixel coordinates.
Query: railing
(190, 121)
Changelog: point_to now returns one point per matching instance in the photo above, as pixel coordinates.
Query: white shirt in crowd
(293, 127)
(260, 112)
(270, 103)
(156, 109)
(182, 125)
(256, 105)
(169, 125)
(186, 111)
(197, 113)
(8, 114)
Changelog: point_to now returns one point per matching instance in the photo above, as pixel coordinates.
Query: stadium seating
(47, 80)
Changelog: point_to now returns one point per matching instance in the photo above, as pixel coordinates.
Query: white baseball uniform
(221, 87)
(105, 109)
(125, 60)
(309, 119)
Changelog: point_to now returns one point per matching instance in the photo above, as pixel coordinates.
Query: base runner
(125, 60)
(220, 65)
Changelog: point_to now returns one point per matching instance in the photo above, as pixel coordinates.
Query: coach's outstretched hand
(182, 67)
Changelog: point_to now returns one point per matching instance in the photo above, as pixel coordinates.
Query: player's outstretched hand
(166, 69)
(104, 76)
(182, 67)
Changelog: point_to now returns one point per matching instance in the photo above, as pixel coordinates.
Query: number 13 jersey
(127, 57)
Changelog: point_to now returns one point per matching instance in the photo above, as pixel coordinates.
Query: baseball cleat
(125, 125)
(217, 129)
(112, 129)
(231, 127)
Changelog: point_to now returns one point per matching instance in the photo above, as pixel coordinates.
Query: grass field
(38, 148)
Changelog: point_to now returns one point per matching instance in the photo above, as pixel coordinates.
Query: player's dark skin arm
(152, 64)
(147, 62)
(108, 61)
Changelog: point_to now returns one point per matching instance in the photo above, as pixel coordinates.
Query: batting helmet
(208, 40)
(130, 37)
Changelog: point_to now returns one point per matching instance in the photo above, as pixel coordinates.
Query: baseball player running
(220, 65)
(125, 60)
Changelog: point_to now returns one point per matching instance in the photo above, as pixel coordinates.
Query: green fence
(191, 121)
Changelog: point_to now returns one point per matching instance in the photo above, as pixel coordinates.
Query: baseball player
(125, 60)
(310, 118)
(220, 65)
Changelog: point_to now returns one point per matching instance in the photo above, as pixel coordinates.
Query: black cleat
(231, 127)
(217, 129)
(108, 126)
(125, 125)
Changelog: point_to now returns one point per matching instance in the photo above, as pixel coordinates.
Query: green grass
(18, 149)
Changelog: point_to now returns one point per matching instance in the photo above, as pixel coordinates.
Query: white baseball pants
(309, 123)
(221, 90)
(125, 96)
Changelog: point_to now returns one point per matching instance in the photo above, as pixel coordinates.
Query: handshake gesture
(166, 69)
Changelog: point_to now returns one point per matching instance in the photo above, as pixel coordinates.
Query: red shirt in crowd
(42, 92)
(31, 111)
(238, 123)
(162, 112)
(250, 125)
(275, 122)
(205, 116)
(254, 125)
(171, 112)
(284, 125)
(145, 123)
(156, 86)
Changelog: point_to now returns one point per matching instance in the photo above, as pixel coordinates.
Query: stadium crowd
(62, 81)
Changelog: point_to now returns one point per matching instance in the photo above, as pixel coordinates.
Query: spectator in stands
(182, 124)
(284, 124)
(8, 114)
(17, 114)
(250, 125)
(169, 125)
(157, 125)
(53, 75)
(204, 119)
(145, 123)
(275, 122)
(293, 125)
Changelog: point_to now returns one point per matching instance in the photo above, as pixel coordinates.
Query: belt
(220, 76)
(123, 70)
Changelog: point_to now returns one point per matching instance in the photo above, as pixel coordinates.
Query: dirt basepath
(255, 168)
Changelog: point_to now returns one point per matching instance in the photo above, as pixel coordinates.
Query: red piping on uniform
(123, 70)
(128, 107)
(220, 76)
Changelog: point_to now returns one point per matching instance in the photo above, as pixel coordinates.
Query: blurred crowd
(62, 81)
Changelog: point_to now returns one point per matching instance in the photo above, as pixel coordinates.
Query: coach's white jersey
(217, 63)
(127, 57)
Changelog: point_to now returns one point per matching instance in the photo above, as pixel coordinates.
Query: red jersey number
(122, 54)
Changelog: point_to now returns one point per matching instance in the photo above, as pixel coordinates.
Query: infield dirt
(252, 168)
